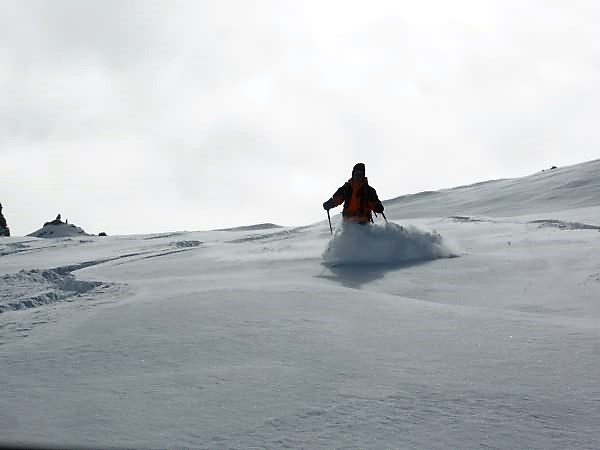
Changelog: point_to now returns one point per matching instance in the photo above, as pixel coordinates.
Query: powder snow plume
(384, 244)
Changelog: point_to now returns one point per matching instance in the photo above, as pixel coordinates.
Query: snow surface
(468, 321)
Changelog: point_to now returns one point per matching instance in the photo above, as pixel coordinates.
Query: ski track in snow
(162, 236)
(42, 290)
(562, 225)
(54, 305)
(274, 236)
(38, 287)
(542, 223)
(32, 288)
(13, 248)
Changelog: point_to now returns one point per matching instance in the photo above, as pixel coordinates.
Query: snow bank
(384, 244)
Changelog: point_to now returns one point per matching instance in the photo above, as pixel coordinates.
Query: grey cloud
(218, 90)
(59, 31)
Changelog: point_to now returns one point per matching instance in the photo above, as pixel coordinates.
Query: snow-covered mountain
(546, 191)
(60, 230)
(470, 320)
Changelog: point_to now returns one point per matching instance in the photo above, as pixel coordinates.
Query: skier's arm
(374, 202)
(336, 199)
(339, 195)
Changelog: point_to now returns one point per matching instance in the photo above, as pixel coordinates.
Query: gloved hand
(328, 204)
(378, 208)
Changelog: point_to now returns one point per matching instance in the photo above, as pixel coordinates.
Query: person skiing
(358, 197)
(4, 230)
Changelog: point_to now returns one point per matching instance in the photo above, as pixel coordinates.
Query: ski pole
(383, 214)
(329, 217)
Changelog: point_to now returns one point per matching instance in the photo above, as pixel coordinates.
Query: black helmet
(359, 166)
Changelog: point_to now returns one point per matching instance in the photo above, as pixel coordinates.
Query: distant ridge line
(260, 226)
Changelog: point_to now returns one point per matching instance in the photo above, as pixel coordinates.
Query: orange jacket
(359, 200)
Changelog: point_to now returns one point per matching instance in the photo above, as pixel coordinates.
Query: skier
(4, 230)
(358, 197)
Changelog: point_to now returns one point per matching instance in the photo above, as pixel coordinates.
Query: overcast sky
(148, 116)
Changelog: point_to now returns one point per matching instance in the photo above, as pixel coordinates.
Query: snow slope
(547, 191)
(471, 320)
